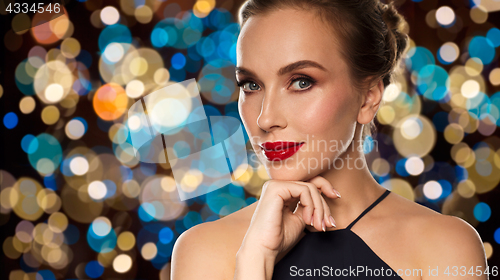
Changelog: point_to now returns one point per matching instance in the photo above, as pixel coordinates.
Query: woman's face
(295, 87)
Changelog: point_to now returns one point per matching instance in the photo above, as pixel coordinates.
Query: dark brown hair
(372, 36)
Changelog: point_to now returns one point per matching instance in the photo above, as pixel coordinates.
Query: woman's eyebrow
(286, 69)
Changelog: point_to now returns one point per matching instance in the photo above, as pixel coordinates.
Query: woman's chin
(285, 174)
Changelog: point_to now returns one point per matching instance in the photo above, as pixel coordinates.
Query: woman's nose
(272, 114)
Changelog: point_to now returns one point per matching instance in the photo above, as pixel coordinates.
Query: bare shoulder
(449, 242)
(192, 251)
(439, 241)
(208, 250)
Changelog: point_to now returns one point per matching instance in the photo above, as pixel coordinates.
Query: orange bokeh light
(110, 101)
(48, 28)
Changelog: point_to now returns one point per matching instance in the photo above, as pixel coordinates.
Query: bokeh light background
(76, 203)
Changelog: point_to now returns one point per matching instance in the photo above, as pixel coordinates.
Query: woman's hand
(283, 210)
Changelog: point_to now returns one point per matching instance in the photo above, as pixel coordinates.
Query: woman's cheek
(319, 117)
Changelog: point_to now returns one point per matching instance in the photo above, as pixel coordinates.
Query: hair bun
(392, 18)
(397, 39)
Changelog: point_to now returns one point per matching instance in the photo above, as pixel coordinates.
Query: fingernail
(312, 219)
(332, 221)
(323, 225)
(337, 192)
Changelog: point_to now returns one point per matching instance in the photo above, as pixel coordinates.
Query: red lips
(280, 150)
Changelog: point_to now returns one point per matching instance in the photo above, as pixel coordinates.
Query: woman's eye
(302, 83)
(251, 86)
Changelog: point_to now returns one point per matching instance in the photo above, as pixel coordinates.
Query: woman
(312, 74)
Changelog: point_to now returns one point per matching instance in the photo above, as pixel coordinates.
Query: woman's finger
(303, 193)
(318, 205)
(325, 186)
(328, 214)
(292, 204)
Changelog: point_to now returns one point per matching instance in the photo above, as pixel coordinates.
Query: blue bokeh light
(178, 61)
(496, 235)
(94, 269)
(482, 48)
(116, 33)
(101, 244)
(482, 212)
(45, 275)
(494, 36)
(166, 235)
(10, 120)
(29, 143)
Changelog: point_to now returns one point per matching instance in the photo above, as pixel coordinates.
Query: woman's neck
(352, 178)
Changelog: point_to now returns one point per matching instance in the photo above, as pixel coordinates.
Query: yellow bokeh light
(414, 166)
(126, 241)
(110, 15)
(131, 188)
(386, 114)
(118, 133)
(488, 249)
(49, 201)
(202, 8)
(453, 133)
(445, 15)
(62, 28)
(122, 263)
(27, 207)
(138, 66)
(97, 190)
(79, 166)
(414, 135)
(53, 80)
(74, 129)
(245, 172)
(58, 222)
(149, 251)
(474, 66)
(70, 47)
(9, 250)
(21, 23)
(191, 180)
(494, 77)
(114, 52)
(462, 153)
(400, 187)
(168, 184)
(161, 76)
(54, 93)
(380, 167)
(9, 197)
(432, 189)
(478, 14)
(134, 88)
(466, 188)
(27, 104)
(430, 19)
(143, 14)
(106, 259)
(449, 52)
(50, 115)
(411, 128)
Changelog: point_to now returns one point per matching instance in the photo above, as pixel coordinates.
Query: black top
(335, 254)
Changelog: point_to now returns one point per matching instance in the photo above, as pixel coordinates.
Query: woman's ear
(370, 103)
